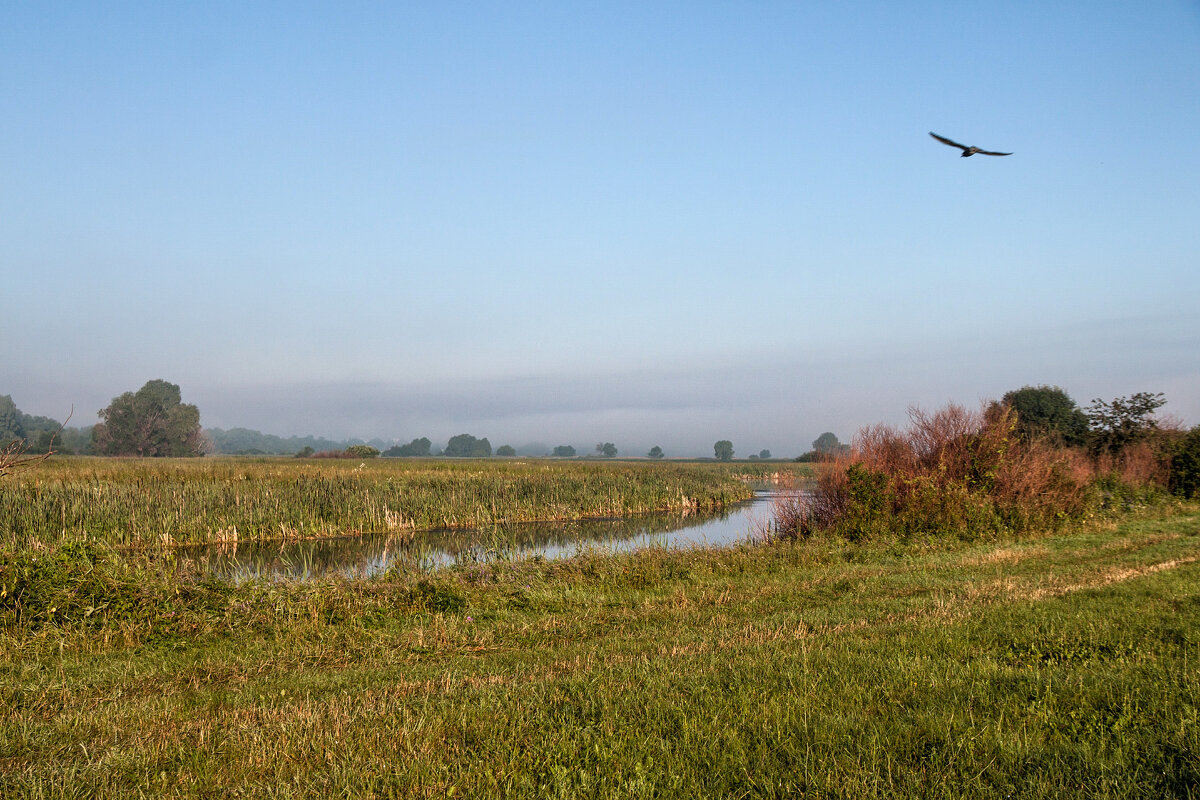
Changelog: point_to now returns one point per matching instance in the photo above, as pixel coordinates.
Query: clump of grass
(84, 584)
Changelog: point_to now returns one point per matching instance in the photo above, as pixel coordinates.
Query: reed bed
(133, 502)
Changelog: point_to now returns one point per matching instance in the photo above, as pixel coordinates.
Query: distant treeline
(38, 432)
(154, 422)
(244, 441)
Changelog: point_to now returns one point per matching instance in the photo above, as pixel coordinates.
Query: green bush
(930, 508)
(869, 502)
(1185, 465)
(950, 473)
(1111, 493)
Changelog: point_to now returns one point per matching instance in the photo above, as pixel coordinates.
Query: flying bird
(966, 151)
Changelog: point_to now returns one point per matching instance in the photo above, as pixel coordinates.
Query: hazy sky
(645, 223)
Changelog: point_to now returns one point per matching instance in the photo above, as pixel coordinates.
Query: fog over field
(646, 225)
(779, 405)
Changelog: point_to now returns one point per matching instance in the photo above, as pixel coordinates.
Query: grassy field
(148, 501)
(1054, 666)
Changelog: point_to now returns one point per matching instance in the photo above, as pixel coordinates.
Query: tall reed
(139, 501)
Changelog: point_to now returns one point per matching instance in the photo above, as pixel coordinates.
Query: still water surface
(369, 554)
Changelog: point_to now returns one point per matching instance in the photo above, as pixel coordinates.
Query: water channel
(370, 554)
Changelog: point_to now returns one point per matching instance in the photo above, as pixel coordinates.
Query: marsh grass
(1051, 666)
(177, 501)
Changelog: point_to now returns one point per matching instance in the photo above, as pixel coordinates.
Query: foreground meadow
(1046, 666)
(132, 502)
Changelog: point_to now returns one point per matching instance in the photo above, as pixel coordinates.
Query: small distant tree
(77, 441)
(723, 450)
(305, 452)
(506, 450)
(1118, 423)
(764, 453)
(150, 422)
(467, 446)
(44, 442)
(564, 451)
(362, 451)
(655, 452)
(826, 444)
(608, 450)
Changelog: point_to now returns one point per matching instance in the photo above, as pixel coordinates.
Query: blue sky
(664, 223)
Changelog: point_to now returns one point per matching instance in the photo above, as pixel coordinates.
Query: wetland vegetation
(1050, 666)
(954, 609)
(150, 501)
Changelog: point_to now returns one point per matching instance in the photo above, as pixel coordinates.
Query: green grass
(1060, 666)
(147, 501)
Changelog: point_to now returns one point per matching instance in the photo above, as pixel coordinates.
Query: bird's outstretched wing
(990, 153)
(951, 142)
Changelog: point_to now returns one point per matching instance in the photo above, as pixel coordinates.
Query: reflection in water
(355, 556)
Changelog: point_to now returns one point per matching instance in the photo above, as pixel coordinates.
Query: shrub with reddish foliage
(950, 471)
(332, 454)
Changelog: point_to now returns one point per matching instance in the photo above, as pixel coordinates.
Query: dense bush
(1047, 412)
(1185, 465)
(950, 472)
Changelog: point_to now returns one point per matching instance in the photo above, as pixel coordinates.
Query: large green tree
(723, 450)
(1047, 411)
(153, 421)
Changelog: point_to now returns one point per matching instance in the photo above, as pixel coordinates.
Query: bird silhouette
(966, 151)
